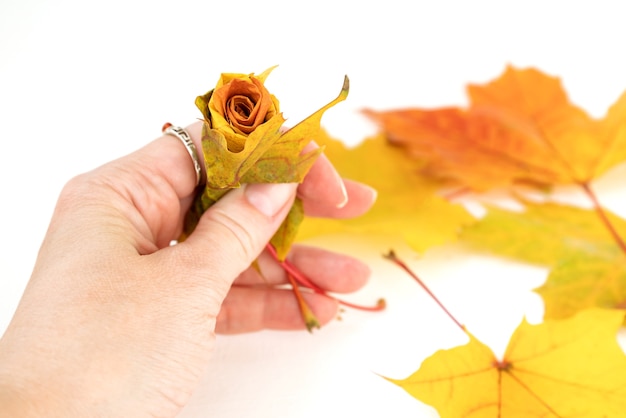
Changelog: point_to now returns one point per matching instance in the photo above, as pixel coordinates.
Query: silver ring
(184, 137)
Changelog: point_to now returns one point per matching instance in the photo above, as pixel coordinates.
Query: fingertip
(269, 198)
(250, 309)
(323, 184)
(325, 308)
(363, 195)
(232, 233)
(361, 198)
(344, 192)
(331, 271)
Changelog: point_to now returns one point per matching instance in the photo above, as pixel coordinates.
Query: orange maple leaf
(560, 368)
(519, 128)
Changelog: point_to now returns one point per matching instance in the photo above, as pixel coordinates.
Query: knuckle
(243, 242)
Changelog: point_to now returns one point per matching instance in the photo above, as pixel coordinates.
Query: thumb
(236, 229)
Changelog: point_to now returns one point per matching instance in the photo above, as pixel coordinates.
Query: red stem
(290, 268)
(394, 258)
(603, 216)
(304, 281)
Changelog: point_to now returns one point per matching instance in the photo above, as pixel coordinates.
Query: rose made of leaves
(243, 142)
(237, 106)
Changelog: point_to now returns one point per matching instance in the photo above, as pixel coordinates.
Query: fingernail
(344, 193)
(342, 187)
(373, 191)
(269, 198)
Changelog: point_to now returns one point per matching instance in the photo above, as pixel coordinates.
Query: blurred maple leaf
(560, 368)
(587, 268)
(519, 128)
(407, 204)
(522, 128)
(544, 233)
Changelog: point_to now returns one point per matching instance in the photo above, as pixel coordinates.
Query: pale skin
(115, 322)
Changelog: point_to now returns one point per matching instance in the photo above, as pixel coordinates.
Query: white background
(85, 82)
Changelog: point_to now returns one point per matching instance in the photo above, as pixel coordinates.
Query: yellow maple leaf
(583, 281)
(558, 369)
(544, 233)
(587, 269)
(407, 205)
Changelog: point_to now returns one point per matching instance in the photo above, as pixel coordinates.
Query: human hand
(116, 322)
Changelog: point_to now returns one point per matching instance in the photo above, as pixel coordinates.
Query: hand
(116, 322)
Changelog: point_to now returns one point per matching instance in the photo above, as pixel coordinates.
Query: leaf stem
(394, 259)
(603, 216)
(299, 279)
(310, 320)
